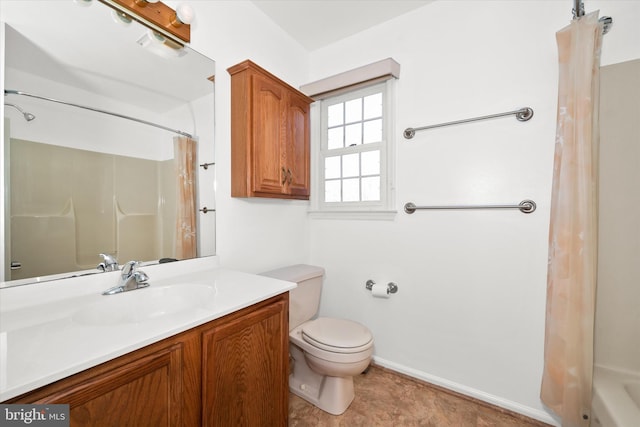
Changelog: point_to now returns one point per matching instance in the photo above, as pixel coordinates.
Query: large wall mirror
(79, 182)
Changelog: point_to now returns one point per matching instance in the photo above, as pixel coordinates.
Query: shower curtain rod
(97, 110)
(578, 11)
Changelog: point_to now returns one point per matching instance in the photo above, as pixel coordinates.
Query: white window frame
(383, 209)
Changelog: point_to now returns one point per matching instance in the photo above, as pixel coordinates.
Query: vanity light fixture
(121, 17)
(158, 16)
(160, 45)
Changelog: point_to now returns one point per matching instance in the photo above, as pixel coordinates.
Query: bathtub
(616, 398)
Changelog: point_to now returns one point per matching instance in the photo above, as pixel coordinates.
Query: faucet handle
(129, 268)
(141, 277)
(109, 263)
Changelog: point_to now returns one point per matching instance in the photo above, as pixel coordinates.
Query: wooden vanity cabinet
(232, 371)
(269, 135)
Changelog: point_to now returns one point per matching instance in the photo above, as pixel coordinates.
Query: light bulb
(143, 3)
(121, 17)
(184, 15)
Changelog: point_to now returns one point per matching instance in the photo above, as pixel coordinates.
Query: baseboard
(509, 405)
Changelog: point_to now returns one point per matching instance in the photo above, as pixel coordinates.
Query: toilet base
(331, 394)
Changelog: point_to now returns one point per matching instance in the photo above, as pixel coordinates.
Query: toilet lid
(337, 335)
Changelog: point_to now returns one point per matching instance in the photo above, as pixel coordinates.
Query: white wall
(617, 338)
(252, 235)
(470, 309)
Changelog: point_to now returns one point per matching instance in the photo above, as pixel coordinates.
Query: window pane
(370, 163)
(353, 110)
(373, 106)
(352, 157)
(353, 134)
(373, 131)
(334, 113)
(351, 165)
(332, 167)
(332, 191)
(351, 190)
(334, 138)
(371, 188)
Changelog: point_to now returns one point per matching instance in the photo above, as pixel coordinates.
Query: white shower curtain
(571, 279)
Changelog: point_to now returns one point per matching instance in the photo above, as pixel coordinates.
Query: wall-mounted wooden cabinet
(269, 135)
(228, 372)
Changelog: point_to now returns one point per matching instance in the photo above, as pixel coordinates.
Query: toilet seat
(337, 335)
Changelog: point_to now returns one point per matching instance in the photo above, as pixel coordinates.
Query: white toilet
(326, 353)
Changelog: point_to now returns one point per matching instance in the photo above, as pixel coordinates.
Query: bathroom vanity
(218, 359)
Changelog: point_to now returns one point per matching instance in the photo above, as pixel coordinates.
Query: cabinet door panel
(128, 404)
(298, 145)
(245, 363)
(145, 390)
(267, 153)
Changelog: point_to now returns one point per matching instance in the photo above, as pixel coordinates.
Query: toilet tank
(304, 300)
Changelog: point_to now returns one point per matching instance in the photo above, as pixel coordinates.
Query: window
(354, 166)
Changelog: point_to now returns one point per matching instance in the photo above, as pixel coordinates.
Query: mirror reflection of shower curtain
(571, 279)
(185, 150)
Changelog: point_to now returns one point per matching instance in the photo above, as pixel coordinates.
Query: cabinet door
(245, 370)
(297, 146)
(269, 173)
(151, 389)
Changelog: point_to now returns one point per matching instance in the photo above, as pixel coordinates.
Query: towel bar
(525, 206)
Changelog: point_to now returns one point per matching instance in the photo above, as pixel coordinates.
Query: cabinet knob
(284, 176)
(290, 176)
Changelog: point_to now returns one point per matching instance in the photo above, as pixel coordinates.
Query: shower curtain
(185, 151)
(571, 278)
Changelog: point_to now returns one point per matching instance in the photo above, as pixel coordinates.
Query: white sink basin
(146, 304)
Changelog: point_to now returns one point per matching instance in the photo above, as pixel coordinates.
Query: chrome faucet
(109, 263)
(130, 279)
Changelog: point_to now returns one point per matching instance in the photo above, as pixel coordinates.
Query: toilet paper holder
(392, 288)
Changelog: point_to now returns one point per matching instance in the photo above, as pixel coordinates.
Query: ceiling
(318, 23)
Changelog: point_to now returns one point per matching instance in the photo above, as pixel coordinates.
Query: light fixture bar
(157, 16)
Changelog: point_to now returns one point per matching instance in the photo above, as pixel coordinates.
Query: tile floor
(385, 398)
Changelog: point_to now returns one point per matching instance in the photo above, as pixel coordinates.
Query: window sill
(353, 215)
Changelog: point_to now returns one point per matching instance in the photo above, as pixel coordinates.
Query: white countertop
(42, 339)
